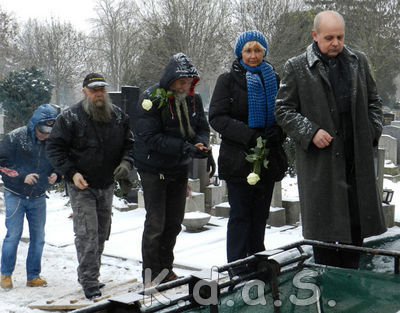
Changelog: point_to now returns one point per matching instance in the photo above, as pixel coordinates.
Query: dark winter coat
(228, 115)
(22, 151)
(306, 103)
(77, 144)
(158, 140)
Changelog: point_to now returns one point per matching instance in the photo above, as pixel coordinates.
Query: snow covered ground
(121, 263)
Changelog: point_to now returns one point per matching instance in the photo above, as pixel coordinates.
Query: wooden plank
(75, 300)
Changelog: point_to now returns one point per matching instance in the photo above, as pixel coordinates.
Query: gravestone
(389, 144)
(393, 131)
(126, 100)
(395, 123)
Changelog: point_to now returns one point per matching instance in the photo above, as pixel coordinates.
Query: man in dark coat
(328, 103)
(23, 150)
(91, 145)
(170, 129)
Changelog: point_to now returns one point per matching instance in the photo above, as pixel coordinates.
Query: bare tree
(116, 40)
(263, 15)
(200, 29)
(59, 50)
(8, 32)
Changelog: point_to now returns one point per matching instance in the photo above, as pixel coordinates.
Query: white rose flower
(147, 104)
(253, 178)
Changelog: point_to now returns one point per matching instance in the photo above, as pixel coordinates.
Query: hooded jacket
(158, 140)
(22, 151)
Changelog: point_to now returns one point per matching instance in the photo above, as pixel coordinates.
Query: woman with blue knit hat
(242, 110)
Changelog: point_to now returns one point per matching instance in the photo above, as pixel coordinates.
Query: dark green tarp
(316, 289)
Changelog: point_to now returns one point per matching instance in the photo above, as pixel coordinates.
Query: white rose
(253, 178)
(147, 104)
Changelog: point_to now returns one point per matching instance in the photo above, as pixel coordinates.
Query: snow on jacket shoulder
(158, 140)
(78, 144)
(22, 151)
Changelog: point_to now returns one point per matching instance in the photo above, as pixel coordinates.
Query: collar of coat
(312, 57)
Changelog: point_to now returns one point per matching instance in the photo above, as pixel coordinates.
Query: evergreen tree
(21, 93)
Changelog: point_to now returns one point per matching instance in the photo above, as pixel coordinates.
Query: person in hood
(170, 129)
(91, 145)
(329, 105)
(23, 150)
(242, 110)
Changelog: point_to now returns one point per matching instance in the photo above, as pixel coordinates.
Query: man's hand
(122, 171)
(79, 181)
(31, 179)
(201, 147)
(52, 178)
(322, 139)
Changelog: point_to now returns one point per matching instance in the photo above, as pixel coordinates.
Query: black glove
(211, 167)
(253, 140)
(193, 151)
(275, 136)
(122, 171)
(125, 185)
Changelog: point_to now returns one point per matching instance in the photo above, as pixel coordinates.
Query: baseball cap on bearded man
(45, 127)
(94, 80)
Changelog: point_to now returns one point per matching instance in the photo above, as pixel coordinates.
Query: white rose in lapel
(147, 104)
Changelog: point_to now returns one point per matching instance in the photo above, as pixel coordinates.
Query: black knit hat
(94, 80)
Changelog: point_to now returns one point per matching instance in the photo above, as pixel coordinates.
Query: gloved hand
(253, 141)
(122, 171)
(275, 136)
(125, 185)
(193, 151)
(211, 166)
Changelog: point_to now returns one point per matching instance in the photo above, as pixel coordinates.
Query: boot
(6, 282)
(92, 292)
(36, 282)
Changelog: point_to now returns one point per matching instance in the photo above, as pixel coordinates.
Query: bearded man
(170, 129)
(91, 145)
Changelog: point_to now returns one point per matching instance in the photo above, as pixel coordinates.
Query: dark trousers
(249, 211)
(164, 200)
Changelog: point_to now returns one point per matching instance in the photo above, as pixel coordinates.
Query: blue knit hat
(250, 35)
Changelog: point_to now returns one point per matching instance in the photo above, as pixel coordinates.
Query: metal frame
(267, 269)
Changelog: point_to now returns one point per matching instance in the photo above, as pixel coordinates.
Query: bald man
(328, 103)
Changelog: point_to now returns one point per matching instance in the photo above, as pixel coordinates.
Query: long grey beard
(98, 113)
(180, 103)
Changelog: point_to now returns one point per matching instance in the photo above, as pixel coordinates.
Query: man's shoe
(170, 277)
(92, 292)
(36, 282)
(6, 282)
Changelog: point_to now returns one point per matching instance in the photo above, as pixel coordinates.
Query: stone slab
(277, 217)
(292, 211)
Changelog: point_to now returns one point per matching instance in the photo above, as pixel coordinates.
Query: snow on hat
(250, 35)
(94, 80)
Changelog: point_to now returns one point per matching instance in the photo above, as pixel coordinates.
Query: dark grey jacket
(306, 103)
(78, 144)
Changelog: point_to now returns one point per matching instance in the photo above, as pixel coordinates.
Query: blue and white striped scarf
(261, 99)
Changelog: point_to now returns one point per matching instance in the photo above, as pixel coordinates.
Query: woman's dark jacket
(77, 144)
(228, 115)
(159, 143)
(22, 151)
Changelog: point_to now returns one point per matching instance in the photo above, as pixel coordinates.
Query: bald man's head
(328, 32)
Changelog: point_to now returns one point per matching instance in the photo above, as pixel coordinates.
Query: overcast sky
(75, 11)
